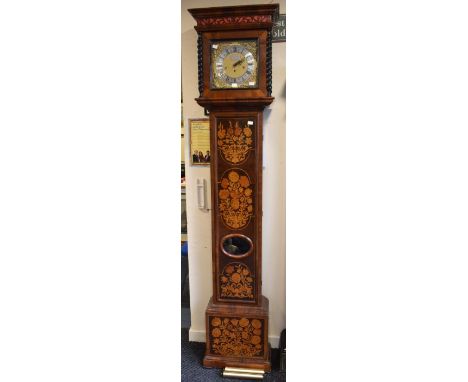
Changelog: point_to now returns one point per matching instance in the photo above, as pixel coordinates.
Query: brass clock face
(234, 64)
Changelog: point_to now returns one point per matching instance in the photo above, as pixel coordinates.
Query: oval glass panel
(236, 245)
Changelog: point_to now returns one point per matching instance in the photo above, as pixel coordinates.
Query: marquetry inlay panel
(235, 139)
(235, 193)
(236, 281)
(237, 336)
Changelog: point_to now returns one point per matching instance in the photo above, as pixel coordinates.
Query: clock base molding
(219, 362)
(237, 336)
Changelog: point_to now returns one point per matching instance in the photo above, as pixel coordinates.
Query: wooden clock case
(237, 313)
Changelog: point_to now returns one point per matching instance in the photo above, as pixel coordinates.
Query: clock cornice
(235, 17)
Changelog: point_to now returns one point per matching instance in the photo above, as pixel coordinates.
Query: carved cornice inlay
(255, 19)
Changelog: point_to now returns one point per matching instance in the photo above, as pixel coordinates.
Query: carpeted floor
(193, 371)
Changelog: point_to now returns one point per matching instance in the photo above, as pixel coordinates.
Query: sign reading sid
(279, 29)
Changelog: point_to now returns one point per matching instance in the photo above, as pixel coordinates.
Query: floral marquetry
(235, 198)
(235, 140)
(238, 337)
(237, 281)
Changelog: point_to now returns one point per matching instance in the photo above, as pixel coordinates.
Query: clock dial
(234, 64)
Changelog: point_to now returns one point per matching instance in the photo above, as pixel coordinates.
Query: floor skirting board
(199, 336)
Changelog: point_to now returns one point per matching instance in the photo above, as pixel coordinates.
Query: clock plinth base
(237, 336)
(220, 362)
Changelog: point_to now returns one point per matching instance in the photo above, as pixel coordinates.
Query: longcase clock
(235, 82)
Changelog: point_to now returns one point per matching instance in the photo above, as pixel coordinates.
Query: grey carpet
(193, 371)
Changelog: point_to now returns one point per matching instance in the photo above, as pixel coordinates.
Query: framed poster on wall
(199, 141)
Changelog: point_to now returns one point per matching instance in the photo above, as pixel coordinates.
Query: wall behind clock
(274, 186)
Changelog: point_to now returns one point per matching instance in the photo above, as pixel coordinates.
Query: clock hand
(237, 63)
